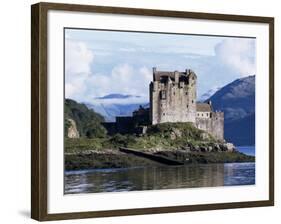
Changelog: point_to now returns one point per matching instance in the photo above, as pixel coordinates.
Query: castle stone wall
(173, 97)
(213, 125)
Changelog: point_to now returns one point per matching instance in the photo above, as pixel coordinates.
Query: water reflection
(164, 177)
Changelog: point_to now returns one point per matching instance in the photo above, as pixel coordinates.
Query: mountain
(86, 121)
(237, 100)
(110, 111)
(241, 131)
(116, 96)
(116, 104)
(208, 94)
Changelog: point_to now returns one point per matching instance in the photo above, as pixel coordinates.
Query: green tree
(88, 122)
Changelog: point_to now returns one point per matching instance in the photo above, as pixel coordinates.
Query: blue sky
(98, 63)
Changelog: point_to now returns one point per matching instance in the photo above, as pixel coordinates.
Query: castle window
(192, 101)
(163, 114)
(163, 95)
(186, 93)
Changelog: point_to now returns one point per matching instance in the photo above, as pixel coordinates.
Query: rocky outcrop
(72, 131)
(215, 147)
(175, 133)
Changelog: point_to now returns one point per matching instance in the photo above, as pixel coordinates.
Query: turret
(210, 103)
(177, 76)
(154, 73)
(191, 74)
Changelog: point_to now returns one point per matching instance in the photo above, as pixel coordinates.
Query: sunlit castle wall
(173, 96)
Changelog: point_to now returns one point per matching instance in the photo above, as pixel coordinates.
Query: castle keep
(172, 99)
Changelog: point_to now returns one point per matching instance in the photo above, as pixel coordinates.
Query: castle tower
(173, 96)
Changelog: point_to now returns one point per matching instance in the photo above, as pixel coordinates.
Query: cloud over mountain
(78, 59)
(100, 63)
(83, 84)
(237, 54)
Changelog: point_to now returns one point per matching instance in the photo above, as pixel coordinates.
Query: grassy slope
(85, 153)
(88, 122)
(160, 136)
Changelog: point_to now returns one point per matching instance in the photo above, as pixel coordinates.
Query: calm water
(164, 177)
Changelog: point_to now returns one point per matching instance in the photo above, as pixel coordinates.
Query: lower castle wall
(213, 125)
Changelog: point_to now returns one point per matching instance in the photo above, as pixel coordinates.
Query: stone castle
(172, 99)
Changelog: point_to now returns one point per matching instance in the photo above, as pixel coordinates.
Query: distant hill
(88, 122)
(237, 100)
(110, 111)
(116, 96)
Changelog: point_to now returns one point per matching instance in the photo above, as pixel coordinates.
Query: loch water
(161, 177)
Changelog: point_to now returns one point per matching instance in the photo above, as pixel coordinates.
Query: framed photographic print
(140, 111)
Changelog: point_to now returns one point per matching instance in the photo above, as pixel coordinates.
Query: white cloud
(82, 84)
(237, 54)
(78, 59)
(129, 100)
(93, 71)
(128, 49)
(124, 79)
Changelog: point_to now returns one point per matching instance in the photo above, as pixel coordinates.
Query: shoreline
(82, 171)
(113, 158)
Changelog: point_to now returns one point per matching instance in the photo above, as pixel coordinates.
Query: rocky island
(183, 142)
(174, 129)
